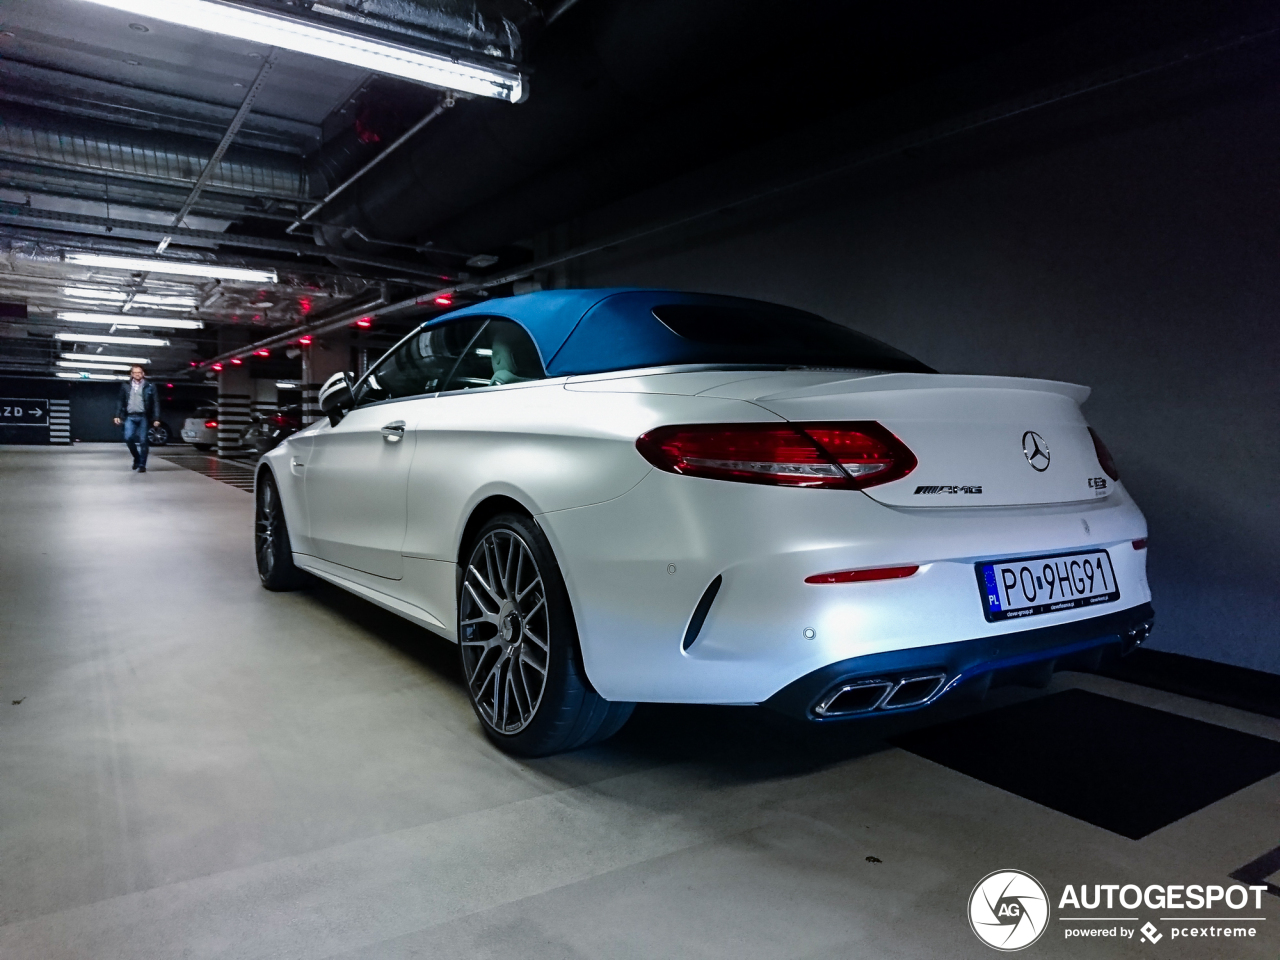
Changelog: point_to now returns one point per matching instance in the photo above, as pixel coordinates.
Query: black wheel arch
(482, 513)
(263, 470)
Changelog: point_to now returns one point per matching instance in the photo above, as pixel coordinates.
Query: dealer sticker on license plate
(1034, 585)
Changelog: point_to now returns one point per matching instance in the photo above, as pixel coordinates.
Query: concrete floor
(199, 768)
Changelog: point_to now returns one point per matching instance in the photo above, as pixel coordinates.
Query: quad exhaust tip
(864, 696)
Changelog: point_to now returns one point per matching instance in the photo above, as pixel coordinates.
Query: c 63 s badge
(948, 488)
(1099, 486)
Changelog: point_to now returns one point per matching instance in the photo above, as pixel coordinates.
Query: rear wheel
(158, 436)
(519, 646)
(271, 540)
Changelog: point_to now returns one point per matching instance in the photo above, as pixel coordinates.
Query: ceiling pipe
(316, 327)
(438, 109)
(55, 220)
(232, 129)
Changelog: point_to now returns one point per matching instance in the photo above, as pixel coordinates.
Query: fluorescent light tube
(152, 300)
(92, 293)
(319, 40)
(170, 266)
(140, 300)
(83, 375)
(103, 338)
(131, 321)
(94, 366)
(283, 385)
(103, 358)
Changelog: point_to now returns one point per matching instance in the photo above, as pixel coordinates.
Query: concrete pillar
(234, 397)
(233, 393)
(320, 361)
(263, 396)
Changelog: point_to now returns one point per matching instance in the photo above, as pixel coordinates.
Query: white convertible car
(612, 496)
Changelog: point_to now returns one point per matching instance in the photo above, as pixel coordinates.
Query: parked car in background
(265, 430)
(201, 430)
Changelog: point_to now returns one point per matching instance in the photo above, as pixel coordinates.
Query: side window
(420, 364)
(502, 353)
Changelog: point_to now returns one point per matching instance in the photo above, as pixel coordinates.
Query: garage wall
(1143, 261)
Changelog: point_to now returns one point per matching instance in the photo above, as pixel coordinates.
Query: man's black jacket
(150, 402)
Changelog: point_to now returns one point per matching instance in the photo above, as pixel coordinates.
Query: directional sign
(24, 420)
(18, 412)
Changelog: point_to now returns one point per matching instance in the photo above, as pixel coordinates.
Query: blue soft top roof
(592, 331)
(595, 331)
(548, 315)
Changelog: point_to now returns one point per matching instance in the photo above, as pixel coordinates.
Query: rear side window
(502, 353)
(767, 334)
(420, 364)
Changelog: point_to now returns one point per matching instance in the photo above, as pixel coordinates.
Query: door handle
(393, 431)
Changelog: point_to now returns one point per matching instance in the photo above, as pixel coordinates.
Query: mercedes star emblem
(1036, 451)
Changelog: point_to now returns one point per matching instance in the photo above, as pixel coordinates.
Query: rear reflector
(844, 456)
(1140, 544)
(861, 576)
(211, 424)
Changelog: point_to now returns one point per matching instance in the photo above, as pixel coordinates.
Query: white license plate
(1030, 586)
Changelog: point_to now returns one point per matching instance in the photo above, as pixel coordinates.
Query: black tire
(203, 446)
(158, 436)
(504, 617)
(271, 540)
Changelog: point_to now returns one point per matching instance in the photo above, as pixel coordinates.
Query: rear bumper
(882, 682)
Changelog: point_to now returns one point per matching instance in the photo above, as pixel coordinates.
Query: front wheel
(519, 646)
(271, 544)
(158, 436)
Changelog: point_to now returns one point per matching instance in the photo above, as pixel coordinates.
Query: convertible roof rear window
(747, 332)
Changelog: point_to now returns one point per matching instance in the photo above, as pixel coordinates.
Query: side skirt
(330, 572)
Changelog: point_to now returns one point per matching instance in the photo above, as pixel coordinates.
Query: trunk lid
(980, 441)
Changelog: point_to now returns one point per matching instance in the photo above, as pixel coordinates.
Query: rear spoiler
(933, 381)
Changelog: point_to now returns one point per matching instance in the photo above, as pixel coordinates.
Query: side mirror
(335, 397)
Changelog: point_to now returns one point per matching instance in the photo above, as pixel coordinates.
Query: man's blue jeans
(135, 435)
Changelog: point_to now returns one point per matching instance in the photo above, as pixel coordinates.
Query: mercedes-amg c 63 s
(613, 496)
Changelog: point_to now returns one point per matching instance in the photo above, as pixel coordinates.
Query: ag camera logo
(1008, 910)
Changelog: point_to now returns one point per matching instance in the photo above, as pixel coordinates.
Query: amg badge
(949, 489)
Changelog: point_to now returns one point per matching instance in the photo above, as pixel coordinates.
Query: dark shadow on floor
(1118, 765)
(737, 744)
(431, 651)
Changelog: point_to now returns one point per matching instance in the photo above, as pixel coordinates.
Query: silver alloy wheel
(266, 529)
(506, 630)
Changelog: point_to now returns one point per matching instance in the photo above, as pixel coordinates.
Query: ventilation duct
(495, 28)
(170, 159)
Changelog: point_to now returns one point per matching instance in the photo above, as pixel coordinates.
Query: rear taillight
(1140, 544)
(1104, 456)
(834, 455)
(211, 424)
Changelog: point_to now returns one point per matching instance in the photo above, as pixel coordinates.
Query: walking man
(138, 406)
